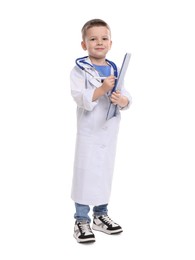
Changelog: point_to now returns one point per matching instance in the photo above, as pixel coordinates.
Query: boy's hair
(93, 23)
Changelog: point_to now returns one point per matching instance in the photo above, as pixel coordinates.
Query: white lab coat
(96, 140)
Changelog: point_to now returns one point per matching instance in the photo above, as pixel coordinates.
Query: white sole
(86, 240)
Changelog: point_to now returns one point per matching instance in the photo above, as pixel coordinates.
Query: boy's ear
(110, 44)
(83, 45)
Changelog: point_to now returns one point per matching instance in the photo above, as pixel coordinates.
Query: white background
(153, 188)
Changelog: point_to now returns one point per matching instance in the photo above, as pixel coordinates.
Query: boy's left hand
(116, 97)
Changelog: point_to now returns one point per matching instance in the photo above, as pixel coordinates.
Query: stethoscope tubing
(82, 60)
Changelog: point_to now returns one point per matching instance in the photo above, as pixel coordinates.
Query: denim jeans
(82, 211)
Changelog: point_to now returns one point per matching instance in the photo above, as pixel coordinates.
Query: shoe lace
(108, 220)
(85, 228)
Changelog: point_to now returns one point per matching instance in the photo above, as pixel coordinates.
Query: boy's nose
(99, 42)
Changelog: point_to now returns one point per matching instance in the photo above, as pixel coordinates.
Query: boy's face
(97, 42)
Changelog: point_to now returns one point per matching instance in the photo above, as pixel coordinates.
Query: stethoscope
(82, 60)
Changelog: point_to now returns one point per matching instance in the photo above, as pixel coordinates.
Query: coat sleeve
(125, 93)
(81, 92)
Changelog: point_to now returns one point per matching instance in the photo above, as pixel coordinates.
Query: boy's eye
(94, 39)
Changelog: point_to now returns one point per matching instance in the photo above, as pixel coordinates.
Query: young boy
(92, 81)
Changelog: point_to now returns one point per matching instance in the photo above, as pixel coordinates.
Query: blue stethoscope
(82, 60)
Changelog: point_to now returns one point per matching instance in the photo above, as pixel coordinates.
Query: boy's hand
(117, 99)
(108, 83)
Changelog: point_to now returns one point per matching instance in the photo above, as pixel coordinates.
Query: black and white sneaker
(105, 224)
(83, 232)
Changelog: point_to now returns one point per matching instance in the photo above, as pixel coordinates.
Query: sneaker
(105, 224)
(83, 232)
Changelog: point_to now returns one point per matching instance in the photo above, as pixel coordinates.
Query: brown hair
(93, 23)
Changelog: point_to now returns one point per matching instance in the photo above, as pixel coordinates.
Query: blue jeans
(82, 211)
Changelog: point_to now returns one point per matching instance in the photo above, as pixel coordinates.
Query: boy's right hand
(108, 83)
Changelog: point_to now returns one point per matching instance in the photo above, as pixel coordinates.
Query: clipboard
(112, 108)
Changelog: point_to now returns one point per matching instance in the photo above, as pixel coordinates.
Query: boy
(92, 82)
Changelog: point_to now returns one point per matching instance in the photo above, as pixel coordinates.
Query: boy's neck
(99, 62)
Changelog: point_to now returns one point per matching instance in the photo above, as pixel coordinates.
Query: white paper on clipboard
(121, 76)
